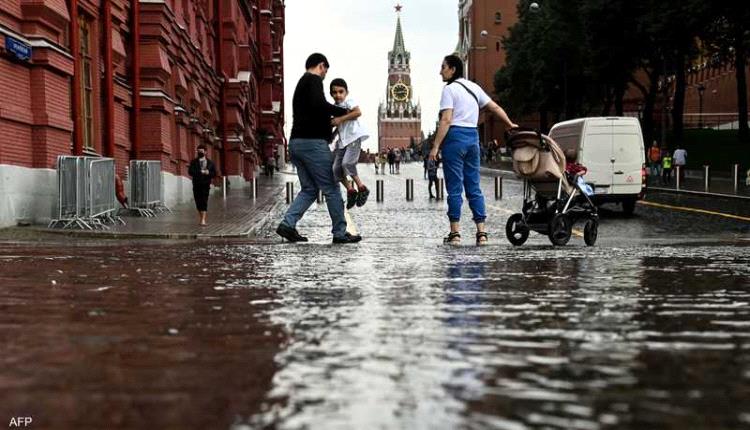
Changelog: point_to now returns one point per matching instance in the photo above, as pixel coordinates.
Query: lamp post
(664, 92)
(701, 90)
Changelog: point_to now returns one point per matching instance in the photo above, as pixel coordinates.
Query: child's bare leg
(347, 184)
(359, 182)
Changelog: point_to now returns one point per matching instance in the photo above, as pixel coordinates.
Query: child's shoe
(362, 196)
(351, 198)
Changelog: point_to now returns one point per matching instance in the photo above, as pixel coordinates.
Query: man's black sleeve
(193, 169)
(320, 102)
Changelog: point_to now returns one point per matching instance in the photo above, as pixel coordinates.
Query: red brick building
(399, 118)
(710, 97)
(482, 26)
(204, 71)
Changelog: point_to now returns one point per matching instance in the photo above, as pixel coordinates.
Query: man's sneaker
(362, 196)
(351, 199)
(290, 234)
(348, 238)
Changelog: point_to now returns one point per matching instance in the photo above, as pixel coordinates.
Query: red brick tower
(399, 118)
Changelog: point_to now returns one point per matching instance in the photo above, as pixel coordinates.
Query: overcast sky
(356, 36)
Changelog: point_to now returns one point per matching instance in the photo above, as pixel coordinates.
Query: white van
(612, 150)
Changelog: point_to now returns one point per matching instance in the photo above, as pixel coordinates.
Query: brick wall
(398, 134)
(181, 86)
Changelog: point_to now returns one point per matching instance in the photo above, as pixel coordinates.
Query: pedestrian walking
(391, 160)
(679, 158)
(654, 158)
(308, 148)
(349, 145)
(432, 175)
(269, 166)
(383, 160)
(460, 104)
(397, 160)
(666, 168)
(203, 171)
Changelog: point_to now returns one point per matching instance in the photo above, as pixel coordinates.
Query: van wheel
(628, 207)
(591, 231)
(516, 230)
(560, 229)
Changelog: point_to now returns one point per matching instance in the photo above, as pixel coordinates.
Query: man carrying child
(351, 134)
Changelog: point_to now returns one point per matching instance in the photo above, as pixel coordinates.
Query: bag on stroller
(536, 157)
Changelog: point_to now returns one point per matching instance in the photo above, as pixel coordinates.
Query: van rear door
(628, 155)
(596, 154)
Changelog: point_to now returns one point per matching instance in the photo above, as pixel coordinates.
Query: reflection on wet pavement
(396, 332)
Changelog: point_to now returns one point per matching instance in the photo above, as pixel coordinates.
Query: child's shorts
(346, 159)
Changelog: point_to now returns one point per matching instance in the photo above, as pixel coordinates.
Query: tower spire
(398, 42)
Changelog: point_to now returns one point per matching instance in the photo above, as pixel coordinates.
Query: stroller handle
(513, 132)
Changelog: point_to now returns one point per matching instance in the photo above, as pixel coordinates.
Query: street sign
(18, 48)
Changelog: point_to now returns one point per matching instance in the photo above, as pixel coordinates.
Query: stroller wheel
(516, 231)
(591, 231)
(560, 229)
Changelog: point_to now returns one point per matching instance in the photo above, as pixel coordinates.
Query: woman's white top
(351, 131)
(464, 105)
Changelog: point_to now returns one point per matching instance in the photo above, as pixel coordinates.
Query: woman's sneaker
(362, 196)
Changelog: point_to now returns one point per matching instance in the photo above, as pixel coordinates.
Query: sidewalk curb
(508, 173)
(251, 231)
(503, 173)
(265, 220)
(697, 193)
(104, 234)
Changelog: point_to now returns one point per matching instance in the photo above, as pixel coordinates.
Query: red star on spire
(398, 7)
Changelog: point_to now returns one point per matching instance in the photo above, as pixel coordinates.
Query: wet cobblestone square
(648, 329)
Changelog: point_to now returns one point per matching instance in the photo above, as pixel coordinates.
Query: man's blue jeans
(461, 169)
(314, 163)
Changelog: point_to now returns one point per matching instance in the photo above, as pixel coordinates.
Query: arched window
(498, 17)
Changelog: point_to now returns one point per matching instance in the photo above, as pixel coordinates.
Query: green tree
(727, 38)
(612, 46)
(574, 57)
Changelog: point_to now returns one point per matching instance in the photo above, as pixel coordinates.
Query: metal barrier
(440, 189)
(706, 178)
(102, 204)
(254, 189)
(498, 187)
(289, 192)
(146, 188)
(86, 193)
(67, 172)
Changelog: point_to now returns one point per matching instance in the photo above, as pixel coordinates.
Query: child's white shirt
(350, 131)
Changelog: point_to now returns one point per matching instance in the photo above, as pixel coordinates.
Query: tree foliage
(573, 58)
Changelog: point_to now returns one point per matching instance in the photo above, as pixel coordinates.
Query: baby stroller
(553, 200)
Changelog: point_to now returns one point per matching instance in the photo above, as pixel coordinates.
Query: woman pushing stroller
(457, 133)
